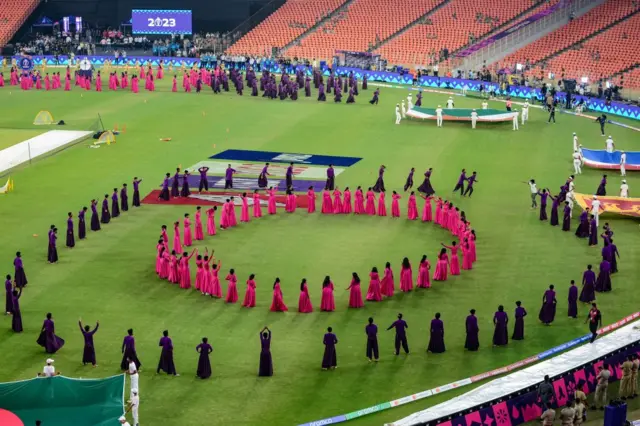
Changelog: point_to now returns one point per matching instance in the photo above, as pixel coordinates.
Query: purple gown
(175, 185)
(106, 216)
(472, 342)
(115, 207)
(124, 200)
(89, 352)
(543, 205)
(19, 275)
(518, 328)
(379, 186)
(52, 254)
(593, 233)
(95, 222)
(588, 293)
(426, 187)
(204, 364)
(129, 351)
(48, 339)
(331, 179)
(436, 340)
(262, 178)
(71, 241)
(573, 302)
(583, 228)
(500, 334)
(548, 309)
(330, 357)
(166, 356)
(409, 183)
(554, 211)
(82, 226)
(566, 219)
(266, 363)
(136, 193)
(16, 318)
(603, 282)
(8, 292)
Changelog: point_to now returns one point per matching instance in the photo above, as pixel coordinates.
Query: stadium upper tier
(13, 13)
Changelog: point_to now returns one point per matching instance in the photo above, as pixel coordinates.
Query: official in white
(572, 184)
(464, 89)
(409, 101)
(575, 141)
(595, 209)
(515, 120)
(624, 189)
(134, 403)
(610, 146)
(577, 163)
(398, 116)
(581, 155)
(569, 199)
(485, 105)
(133, 373)
(623, 162)
(525, 112)
(474, 119)
(450, 103)
(123, 421)
(439, 116)
(48, 370)
(404, 111)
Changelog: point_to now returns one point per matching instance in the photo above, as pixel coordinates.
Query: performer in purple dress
(593, 231)
(185, 191)
(262, 178)
(461, 180)
(518, 329)
(555, 202)
(82, 226)
(573, 300)
(436, 340)
(204, 364)
(164, 193)
(71, 241)
(124, 198)
(500, 333)
(583, 228)
(331, 178)
(330, 357)
(544, 195)
(289, 177)
(401, 335)
(588, 293)
(89, 353)
(470, 181)
(16, 317)
(364, 81)
(105, 216)
(204, 184)
(115, 207)
(379, 186)
(228, 177)
(371, 330)
(472, 343)
(409, 183)
(307, 87)
(351, 99)
(129, 351)
(8, 294)
(136, 190)
(52, 254)
(419, 99)
(603, 282)
(321, 95)
(602, 188)
(566, 217)
(166, 355)
(266, 362)
(548, 309)
(19, 275)
(48, 339)
(426, 187)
(613, 251)
(337, 97)
(376, 96)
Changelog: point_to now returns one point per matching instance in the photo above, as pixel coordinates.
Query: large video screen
(145, 21)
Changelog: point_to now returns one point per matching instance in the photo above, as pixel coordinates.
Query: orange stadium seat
(630, 79)
(13, 13)
(283, 26)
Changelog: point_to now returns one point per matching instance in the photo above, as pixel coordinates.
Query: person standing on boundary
(600, 399)
(372, 341)
(401, 335)
(594, 318)
(534, 193)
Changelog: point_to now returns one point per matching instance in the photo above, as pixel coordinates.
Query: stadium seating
(360, 26)
(630, 79)
(581, 27)
(283, 26)
(13, 13)
(450, 27)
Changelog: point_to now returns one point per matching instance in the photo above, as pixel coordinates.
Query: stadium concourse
(278, 189)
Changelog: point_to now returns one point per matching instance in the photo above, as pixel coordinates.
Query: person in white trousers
(525, 112)
(595, 209)
(610, 145)
(623, 162)
(575, 141)
(581, 155)
(474, 119)
(439, 116)
(577, 163)
(398, 116)
(409, 101)
(515, 120)
(404, 111)
(624, 189)
(134, 403)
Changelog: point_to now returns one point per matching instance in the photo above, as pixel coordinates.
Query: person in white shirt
(575, 141)
(409, 101)
(404, 111)
(398, 116)
(133, 374)
(581, 156)
(623, 162)
(534, 193)
(464, 89)
(474, 119)
(610, 145)
(624, 189)
(577, 163)
(515, 120)
(485, 105)
(439, 116)
(134, 403)
(595, 209)
(569, 199)
(123, 421)
(48, 370)
(572, 183)
(525, 112)
(450, 103)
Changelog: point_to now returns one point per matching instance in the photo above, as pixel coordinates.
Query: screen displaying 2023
(144, 21)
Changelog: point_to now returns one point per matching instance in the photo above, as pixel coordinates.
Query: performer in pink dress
(454, 264)
(177, 246)
(244, 214)
(206, 282)
(188, 238)
(337, 201)
(174, 269)
(47, 82)
(467, 261)
(98, 82)
(406, 276)
(233, 218)
(327, 206)
(211, 220)
(134, 84)
(327, 303)
(224, 215)
(423, 273)
(439, 203)
(199, 232)
(290, 202)
(277, 303)
(440, 274)
(174, 84)
(412, 208)
(395, 204)
(232, 289)
(382, 207)
(426, 211)
(257, 207)
(472, 245)
(185, 272)
(199, 285)
(272, 201)
(304, 301)
(67, 83)
(311, 200)
(160, 73)
(387, 286)
(370, 208)
(38, 82)
(216, 290)
(166, 265)
(346, 202)
(250, 295)
(358, 206)
(355, 293)
(159, 250)
(373, 293)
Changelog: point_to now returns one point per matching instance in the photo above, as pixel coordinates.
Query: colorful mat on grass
(462, 114)
(615, 205)
(601, 159)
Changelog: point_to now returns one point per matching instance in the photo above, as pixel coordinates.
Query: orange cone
(115, 128)
(124, 128)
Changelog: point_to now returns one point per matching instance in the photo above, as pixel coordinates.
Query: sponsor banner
(239, 184)
(254, 169)
(615, 205)
(459, 114)
(601, 159)
(285, 157)
(217, 198)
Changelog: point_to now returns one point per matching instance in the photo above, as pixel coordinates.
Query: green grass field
(111, 277)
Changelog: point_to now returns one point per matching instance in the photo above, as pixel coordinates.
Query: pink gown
(277, 303)
(337, 202)
(188, 238)
(160, 73)
(423, 275)
(467, 261)
(38, 83)
(440, 274)
(67, 84)
(244, 214)
(327, 303)
(387, 286)
(134, 85)
(454, 264)
(177, 247)
(47, 83)
(174, 271)
(327, 206)
(438, 218)
(98, 84)
(164, 268)
(185, 272)
(250, 295)
(211, 222)
(257, 207)
(125, 81)
(304, 301)
(199, 232)
(272, 201)
(358, 207)
(142, 74)
(291, 203)
(311, 201)
(370, 208)
(199, 276)
(216, 290)
(395, 205)
(159, 248)
(382, 207)
(232, 289)
(224, 216)
(472, 247)
(206, 278)
(355, 295)
(412, 209)
(233, 219)
(373, 293)
(406, 279)
(426, 211)
(346, 202)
